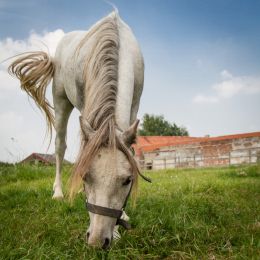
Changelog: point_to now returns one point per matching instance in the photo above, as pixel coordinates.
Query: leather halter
(114, 213)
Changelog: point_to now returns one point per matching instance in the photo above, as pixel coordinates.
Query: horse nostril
(106, 243)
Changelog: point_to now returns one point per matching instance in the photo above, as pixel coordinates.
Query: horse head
(108, 175)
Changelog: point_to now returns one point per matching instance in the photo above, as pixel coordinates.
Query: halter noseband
(114, 213)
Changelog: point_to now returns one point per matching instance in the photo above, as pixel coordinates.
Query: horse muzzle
(98, 241)
(102, 224)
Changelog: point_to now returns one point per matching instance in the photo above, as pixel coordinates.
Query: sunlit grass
(184, 214)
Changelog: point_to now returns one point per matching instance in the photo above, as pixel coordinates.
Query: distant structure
(40, 158)
(162, 152)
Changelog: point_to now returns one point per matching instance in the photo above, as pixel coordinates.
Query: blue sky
(202, 58)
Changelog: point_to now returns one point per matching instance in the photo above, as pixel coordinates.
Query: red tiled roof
(236, 136)
(148, 140)
(151, 143)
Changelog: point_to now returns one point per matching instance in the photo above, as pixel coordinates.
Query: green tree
(156, 125)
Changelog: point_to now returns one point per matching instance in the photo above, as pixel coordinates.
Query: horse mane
(101, 83)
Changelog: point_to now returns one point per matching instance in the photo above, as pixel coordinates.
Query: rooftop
(46, 158)
(151, 143)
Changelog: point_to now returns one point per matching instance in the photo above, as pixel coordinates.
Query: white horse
(100, 72)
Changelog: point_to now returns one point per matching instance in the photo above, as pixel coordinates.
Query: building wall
(204, 154)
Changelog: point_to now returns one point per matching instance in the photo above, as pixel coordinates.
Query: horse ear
(86, 128)
(129, 136)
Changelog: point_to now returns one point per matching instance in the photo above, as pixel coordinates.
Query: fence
(234, 157)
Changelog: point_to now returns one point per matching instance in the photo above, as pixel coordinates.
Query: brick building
(160, 152)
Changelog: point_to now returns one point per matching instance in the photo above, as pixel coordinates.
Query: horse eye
(127, 181)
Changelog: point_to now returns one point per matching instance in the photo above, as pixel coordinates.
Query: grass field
(183, 214)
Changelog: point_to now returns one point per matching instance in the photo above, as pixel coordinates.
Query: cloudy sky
(202, 62)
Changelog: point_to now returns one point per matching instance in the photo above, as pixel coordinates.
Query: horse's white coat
(131, 70)
(130, 77)
(68, 82)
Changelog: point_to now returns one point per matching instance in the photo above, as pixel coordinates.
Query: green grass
(184, 214)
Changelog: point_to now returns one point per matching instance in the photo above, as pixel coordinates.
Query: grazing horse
(100, 72)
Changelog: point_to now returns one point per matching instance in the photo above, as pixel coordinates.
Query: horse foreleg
(63, 109)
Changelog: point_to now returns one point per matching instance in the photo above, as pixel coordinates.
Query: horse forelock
(88, 151)
(101, 82)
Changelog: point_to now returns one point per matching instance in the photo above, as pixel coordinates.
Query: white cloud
(229, 87)
(21, 131)
(45, 41)
(236, 85)
(205, 99)
(7, 83)
(225, 74)
(49, 39)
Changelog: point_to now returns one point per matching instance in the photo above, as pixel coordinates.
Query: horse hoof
(57, 196)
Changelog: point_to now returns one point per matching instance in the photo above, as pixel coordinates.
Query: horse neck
(125, 88)
(125, 73)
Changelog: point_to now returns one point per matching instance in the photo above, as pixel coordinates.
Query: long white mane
(100, 96)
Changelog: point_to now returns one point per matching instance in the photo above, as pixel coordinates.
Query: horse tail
(35, 71)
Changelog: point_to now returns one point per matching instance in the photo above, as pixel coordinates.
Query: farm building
(161, 152)
(41, 158)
